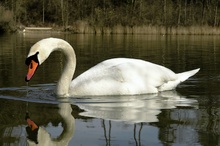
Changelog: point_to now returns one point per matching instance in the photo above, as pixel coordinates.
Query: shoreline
(119, 29)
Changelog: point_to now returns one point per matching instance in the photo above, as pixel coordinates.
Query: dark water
(188, 116)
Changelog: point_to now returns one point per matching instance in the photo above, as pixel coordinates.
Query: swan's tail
(185, 75)
(170, 85)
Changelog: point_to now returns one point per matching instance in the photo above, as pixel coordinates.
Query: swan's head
(32, 63)
(38, 53)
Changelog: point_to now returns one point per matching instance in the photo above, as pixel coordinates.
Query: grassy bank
(85, 28)
(82, 27)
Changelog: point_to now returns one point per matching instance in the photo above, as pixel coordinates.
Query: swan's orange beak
(32, 67)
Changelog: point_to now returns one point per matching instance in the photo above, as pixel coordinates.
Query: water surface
(187, 116)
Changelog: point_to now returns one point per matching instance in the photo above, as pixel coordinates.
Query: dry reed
(84, 27)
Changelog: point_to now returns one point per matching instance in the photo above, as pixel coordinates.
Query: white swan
(119, 76)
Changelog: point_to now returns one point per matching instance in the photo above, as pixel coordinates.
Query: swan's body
(119, 76)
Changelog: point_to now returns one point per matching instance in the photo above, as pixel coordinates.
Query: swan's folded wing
(122, 77)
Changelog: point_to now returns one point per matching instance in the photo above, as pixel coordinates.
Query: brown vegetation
(6, 20)
(114, 16)
(84, 27)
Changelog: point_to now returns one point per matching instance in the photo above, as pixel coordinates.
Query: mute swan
(119, 76)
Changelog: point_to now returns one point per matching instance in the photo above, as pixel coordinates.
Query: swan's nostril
(31, 65)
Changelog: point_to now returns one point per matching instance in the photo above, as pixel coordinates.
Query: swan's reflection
(140, 108)
(44, 138)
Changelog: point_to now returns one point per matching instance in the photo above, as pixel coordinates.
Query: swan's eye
(33, 57)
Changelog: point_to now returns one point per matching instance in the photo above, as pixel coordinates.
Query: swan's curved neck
(68, 71)
(44, 48)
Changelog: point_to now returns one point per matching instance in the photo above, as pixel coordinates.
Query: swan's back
(122, 76)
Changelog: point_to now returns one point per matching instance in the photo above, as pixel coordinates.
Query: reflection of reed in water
(107, 138)
(44, 138)
(138, 141)
(107, 127)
